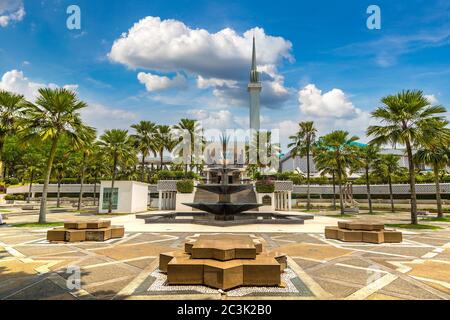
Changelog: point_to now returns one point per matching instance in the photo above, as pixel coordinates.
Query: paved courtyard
(418, 268)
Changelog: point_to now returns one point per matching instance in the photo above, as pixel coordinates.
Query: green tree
(386, 166)
(119, 146)
(436, 155)
(11, 111)
(368, 155)
(407, 118)
(337, 145)
(144, 140)
(193, 129)
(302, 144)
(55, 114)
(164, 140)
(326, 165)
(97, 167)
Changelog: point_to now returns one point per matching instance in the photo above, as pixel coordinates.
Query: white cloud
(168, 45)
(220, 61)
(203, 83)
(432, 99)
(11, 11)
(220, 120)
(102, 117)
(15, 81)
(332, 104)
(154, 82)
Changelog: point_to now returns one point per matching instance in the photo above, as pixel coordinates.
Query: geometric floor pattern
(318, 268)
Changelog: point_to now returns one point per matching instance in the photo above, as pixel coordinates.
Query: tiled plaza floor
(418, 268)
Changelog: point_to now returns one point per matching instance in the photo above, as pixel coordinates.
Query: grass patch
(39, 225)
(414, 226)
(341, 215)
(443, 219)
(5, 211)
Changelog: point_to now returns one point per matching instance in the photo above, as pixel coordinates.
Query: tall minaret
(254, 88)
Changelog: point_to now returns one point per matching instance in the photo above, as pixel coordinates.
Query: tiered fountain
(224, 212)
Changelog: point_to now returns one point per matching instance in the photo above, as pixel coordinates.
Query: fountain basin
(224, 188)
(224, 211)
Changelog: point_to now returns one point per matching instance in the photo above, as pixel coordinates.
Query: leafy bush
(265, 186)
(11, 181)
(19, 197)
(10, 197)
(174, 175)
(185, 186)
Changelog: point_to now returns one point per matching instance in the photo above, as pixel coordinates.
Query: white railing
(425, 188)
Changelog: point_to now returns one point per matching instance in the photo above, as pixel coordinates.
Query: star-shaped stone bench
(223, 262)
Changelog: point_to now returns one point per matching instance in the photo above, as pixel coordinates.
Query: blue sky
(318, 59)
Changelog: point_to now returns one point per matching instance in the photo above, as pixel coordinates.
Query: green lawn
(5, 210)
(414, 226)
(38, 225)
(444, 219)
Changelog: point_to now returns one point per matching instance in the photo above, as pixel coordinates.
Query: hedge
(19, 197)
(185, 186)
(264, 186)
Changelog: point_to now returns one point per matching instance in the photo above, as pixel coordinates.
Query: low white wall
(259, 198)
(132, 196)
(184, 198)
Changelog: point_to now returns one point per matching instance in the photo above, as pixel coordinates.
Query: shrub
(174, 175)
(19, 197)
(10, 197)
(264, 186)
(11, 181)
(185, 186)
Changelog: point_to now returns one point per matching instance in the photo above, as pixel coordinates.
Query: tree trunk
(341, 200)
(438, 192)
(143, 168)
(31, 186)
(58, 194)
(161, 155)
(369, 197)
(112, 184)
(334, 191)
(308, 192)
(95, 189)
(391, 194)
(48, 171)
(83, 170)
(412, 183)
(2, 166)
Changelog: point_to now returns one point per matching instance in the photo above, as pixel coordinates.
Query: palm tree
(368, 155)
(119, 146)
(437, 156)
(144, 139)
(193, 129)
(97, 167)
(164, 141)
(386, 166)
(55, 114)
(11, 110)
(301, 146)
(408, 119)
(326, 165)
(266, 150)
(339, 146)
(87, 151)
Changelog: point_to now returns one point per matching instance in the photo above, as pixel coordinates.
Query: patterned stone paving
(418, 268)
